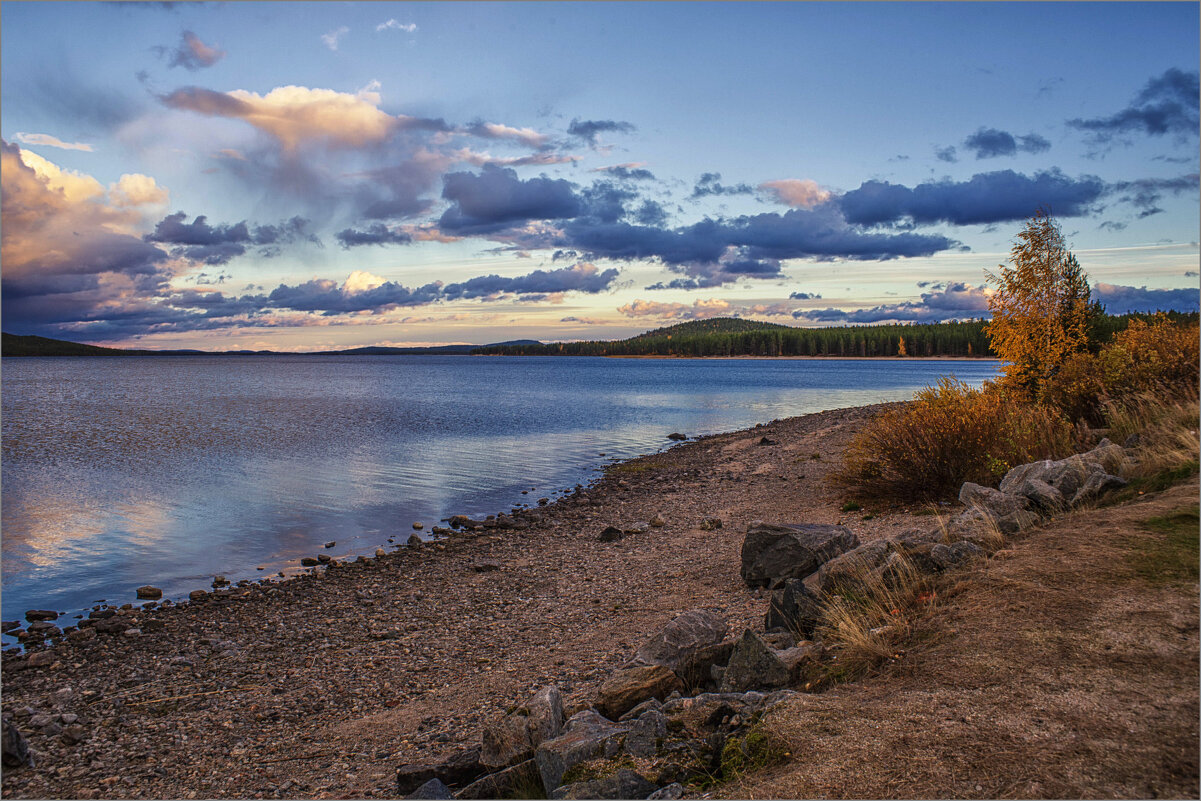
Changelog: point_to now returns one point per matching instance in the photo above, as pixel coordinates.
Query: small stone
(625, 689)
(379, 552)
(220, 581)
(197, 595)
(671, 792)
(543, 501)
(150, 592)
(677, 436)
(40, 659)
(611, 534)
(324, 558)
(711, 524)
(415, 541)
(485, 566)
(308, 561)
(418, 525)
(658, 522)
(15, 746)
(434, 788)
(331, 543)
(34, 615)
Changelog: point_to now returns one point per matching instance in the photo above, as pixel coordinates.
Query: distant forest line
(733, 337)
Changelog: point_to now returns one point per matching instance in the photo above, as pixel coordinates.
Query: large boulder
(623, 783)
(772, 554)
(433, 789)
(754, 666)
(587, 735)
(1010, 513)
(628, 687)
(855, 567)
(459, 768)
(515, 737)
(678, 641)
(793, 608)
(1067, 476)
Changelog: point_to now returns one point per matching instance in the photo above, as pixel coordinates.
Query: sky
(311, 176)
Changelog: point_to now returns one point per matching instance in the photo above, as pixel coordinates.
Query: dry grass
(1167, 429)
(949, 434)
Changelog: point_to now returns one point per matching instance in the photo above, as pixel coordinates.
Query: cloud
(583, 320)
(1168, 104)
(709, 184)
(1145, 193)
(492, 130)
(295, 115)
(798, 193)
(218, 244)
(699, 310)
(135, 189)
(989, 143)
(46, 140)
(376, 234)
(1127, 299)
(587, 130)
(804, 296)
(959, 301)
(583, 277)
(193, 54)
(534, 159)
(334, 37)
(496, 198)
(946, 154)
(628, 172)
(393, 25)
(1001, 196)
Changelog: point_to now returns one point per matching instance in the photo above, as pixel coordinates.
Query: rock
(1096, 485)
(766, 441)
(415, 540)
(1042, 496)
(650, 704)
(658, 522)
(44, 628)
(680, 639)
(646, 734)
(324, 558)
(74, 734)
(623, 783)
(793, 608)
(677, 436)
(15, 747)
(955, 554)
(587, 735)
(153, 593)
(220, 581)
(1108, 455)
(380, 553)
(754, 666)
(434, 788)
(460, 767)
(34, 615)
(9, 625)
(996, 503)
(670, 792)
(197, 595)
(511, 782)
(1133, 441)
(308, 561)
(485, 565)
(40, 659)
(611, 534)
(626, 688)
(711, 524)
(772, 554)
(418, 525)
(637, 528)
(82, 635)
(1069, 475)
(515, 737)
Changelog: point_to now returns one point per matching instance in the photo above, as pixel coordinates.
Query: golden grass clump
(949, 434)
(1167, 429)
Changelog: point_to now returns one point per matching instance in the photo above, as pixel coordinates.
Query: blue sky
(317, 175)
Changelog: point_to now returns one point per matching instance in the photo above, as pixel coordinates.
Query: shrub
(950, 434)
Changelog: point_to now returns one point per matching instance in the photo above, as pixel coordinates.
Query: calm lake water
(167, 471)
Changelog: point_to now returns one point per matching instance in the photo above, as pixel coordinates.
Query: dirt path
(1058, 672)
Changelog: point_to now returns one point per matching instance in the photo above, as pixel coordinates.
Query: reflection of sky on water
(118, 473)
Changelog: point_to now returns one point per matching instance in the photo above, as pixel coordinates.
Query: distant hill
(16, 345)
(716, 325)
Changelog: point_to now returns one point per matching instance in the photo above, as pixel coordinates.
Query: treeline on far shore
(734, 337)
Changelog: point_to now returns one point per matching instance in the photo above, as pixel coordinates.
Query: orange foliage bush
(950, 434)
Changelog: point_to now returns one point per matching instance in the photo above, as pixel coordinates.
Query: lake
(170, 470)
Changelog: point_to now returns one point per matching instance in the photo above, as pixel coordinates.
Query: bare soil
(322, 685)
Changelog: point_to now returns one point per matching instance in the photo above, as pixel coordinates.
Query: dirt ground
(321, 686)
(1055, 671)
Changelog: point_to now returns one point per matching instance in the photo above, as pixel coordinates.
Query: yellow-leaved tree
(1040, 307)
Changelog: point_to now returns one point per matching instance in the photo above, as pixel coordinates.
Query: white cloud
(803, 193)
(46, 140)
(332, 38)
(392, 24)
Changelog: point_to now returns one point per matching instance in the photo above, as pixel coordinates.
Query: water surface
(168, 470)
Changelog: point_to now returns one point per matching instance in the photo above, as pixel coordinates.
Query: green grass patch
(1172, 556)
(851, 506)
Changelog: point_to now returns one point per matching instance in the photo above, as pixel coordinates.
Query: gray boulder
(624, 783)
(679, 640)
(955, 554)
(671, 792)
(1096, 485)
(434, 788)
(772, 554)
(586, 736)
(515, 737)
(1042, 496)
(15, 746)
(754, 666)
(854, 567)
(628, 687)
(793, 608)
(646, 734)
(1011, 513)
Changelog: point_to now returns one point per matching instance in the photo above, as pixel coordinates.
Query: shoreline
(407, 656)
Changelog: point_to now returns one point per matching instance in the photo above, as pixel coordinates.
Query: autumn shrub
(949, 434)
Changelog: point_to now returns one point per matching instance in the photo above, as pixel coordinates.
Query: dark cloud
(958, 301)
(192, 54)
(376, 234)
(804, 296)
(496, 199)
(946, 154)
(1125, 299)
(1111, 225)
(218, 244)
(1145, 193)
(90, 108)
(588, 129)
(624, 172)
(1001, 196)
(650, 213)
(582, 277)
(1168, 104)
(989, 143)
(710, 184)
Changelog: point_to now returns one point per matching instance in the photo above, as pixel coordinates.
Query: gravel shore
(321, 685)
